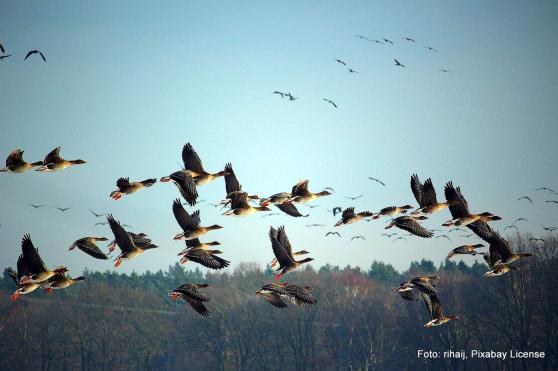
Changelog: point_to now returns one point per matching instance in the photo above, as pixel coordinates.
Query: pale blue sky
(126, 84)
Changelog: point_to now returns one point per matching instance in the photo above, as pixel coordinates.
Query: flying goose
(283, 252)
(130, 247)
(190, 224)
(192, 295)
(88, 246)
(330, 102)
(15, 163)
(301, 194)
(53, 162)
(35, 51)
(185, 183)
(409, 224)
(127, 188)
(377, 180)
(349, 216)
(465, 250)
(193, 163)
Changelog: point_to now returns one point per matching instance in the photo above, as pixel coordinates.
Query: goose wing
(348, 212)
(191, 159)
(52, 156)
(283, 257)
(290, 209)
(416, 187)
(239, 200)
(275, 300)
(186, 186)
(411, 225)
(301, 295)
(123, 239)
(301, 188)
(191, 291)
(197, 305)
(207, 259)
(90, 248)
(15, 158)
(428, 194)
(123, 183)
(31, 256)
(231, 182)
(185, 221)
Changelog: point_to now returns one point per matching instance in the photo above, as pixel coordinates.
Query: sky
(127, 84)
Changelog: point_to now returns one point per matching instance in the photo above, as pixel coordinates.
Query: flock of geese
(32, 273)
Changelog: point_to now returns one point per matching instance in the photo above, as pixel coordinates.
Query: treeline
(116, 321)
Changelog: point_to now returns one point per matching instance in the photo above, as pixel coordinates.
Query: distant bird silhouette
(409, 39)
(545, 189)
(399, 238)
(63, 209)
(101, 223)
(2, 57)
(270, 214)
(315, 225)
(520, 220)
(526, 198)
(466, 235)
(2, 48)
(388, 41)
(431, 49)
(37, 206)
(336, 210)
(332, 233)
(389, 235)
(280, 93)
(552, 201)
(351, 70)
(397, 63)
(443, 236)
(311, 206)
(511, 226)
(330, 102)
(549, 229)
(340, 61)
(35, 51)
(456, 229)
(363, 37)
(291, 97)
(377, 181)
(353, 198)
(358, 237)
(97, 215)
(377, 42)
(444, 70)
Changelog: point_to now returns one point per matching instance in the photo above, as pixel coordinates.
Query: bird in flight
(291, 96)
(97, 215)
(63, 209)
(37, 206)
(280, 93)
(466, 235)
(35, 51)
(552, 201)
(444, 70)
(336, 210)
(431, 49)
(362, 37)
(333, 233)
(388, 41)
(549, 229)
(377, 181)
(511, 226)
(443, 236)
(340, 61)
(526, 198)
(315, 225)
(330, 102)
(520, 220)
(400, 238)
(270, 214)
(545, 189)
(101, 223)
(2, 57)
(378, 42)
(409, 39)
(351, 70)
(389, 235)
(353, 198)
(397, 63)
(358, 237)
(311, 206)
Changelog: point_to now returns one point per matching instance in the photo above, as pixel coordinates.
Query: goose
(409, 224)
(392, 210)
(192, 295)
(185, 183)
(349, 216)
(196, 244)
(232, 186)
(130, 247)
(193, 163)
(301, 194)
(241, 207)
(88, 246)
(330, 101)
(358, 237)
(283, 252)
(377, 181)
(53, 162)
(465, 250)
(526, 198)
(190, 224)
(16, 164)
(61, 281)
(425, 194)
(37, 270)
(274, 261)
(434, 308)
(333, 234)
(273, 293)
(471, 218)
(207, 258)
(398, 64)
(127, 188)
